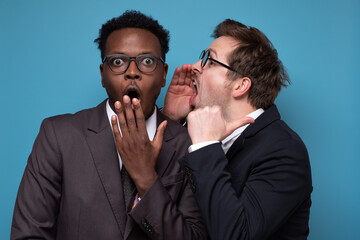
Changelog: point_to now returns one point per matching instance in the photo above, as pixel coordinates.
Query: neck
(237, 110)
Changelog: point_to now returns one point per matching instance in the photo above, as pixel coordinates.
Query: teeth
(194, 83)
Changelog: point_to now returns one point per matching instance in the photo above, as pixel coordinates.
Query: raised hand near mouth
(179, 92)
(138, 154)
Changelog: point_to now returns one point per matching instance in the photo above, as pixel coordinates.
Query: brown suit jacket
(71, 187)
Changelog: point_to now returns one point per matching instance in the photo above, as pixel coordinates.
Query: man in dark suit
(250, 181)
(76, 184)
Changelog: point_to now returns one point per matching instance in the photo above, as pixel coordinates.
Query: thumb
(231, 126)
(158, 139)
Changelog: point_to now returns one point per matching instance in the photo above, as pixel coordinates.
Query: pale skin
(179, 92)
(220, 104)
(209, 124)
(201, 121)
(138, 153)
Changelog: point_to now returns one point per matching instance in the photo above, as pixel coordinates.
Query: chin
(148, 112)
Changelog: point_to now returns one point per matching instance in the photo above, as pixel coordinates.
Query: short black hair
(133, 19)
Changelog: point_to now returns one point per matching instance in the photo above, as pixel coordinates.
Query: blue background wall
(49, 65)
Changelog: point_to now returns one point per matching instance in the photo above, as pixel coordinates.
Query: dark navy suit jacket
(260, 189)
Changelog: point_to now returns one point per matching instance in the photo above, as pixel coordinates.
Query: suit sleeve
(273, 189)
(37, 202)
(168, 209)
(161, 217)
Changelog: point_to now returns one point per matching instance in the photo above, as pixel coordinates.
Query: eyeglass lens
(204, 56)
(120, 63)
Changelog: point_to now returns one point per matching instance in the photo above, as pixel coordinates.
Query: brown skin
(133, 42)
(138, 153)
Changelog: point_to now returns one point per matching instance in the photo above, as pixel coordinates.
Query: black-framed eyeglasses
(119, 63)
(205, 56)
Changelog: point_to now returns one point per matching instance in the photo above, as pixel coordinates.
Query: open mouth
(192, 98)
(133, 93)
(195, 87)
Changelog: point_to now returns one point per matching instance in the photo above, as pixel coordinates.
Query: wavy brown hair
(255, 58)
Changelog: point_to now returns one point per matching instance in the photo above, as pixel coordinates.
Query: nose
(132, 72)
(196, 67)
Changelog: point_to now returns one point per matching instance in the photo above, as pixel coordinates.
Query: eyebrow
(212, 51)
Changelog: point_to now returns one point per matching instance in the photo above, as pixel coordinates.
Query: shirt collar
(229, 140)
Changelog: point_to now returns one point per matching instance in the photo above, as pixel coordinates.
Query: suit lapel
(103, 149)
(167, 151)
(270, 115)
(102, 146)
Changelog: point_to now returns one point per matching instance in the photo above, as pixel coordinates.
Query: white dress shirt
(229, 140)
(150, 124)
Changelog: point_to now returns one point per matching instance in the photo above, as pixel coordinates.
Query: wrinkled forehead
(222, 47)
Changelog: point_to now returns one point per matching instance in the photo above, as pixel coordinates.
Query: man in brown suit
(73, 184)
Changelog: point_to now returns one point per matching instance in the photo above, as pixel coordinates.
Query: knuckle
(192, 114)
(131, 121)
(143, 139)
(140, 119)
(122, 125)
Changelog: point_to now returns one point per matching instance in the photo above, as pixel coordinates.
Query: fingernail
(126, 98)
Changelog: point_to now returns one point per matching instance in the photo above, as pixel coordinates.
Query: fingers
(131, 124)
(122, 121)
(116, 131)
(140, 119)
(188, 72)
(231, 126)
(182, 75)
(209, 124)
(158, 139)
(130, 119)
(176, 76)
(129, 114)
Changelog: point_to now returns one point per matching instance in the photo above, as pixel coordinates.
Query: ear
(241, 87)
(101, 73)
(166, 67)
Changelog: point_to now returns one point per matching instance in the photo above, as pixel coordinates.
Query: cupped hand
(180, 90)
